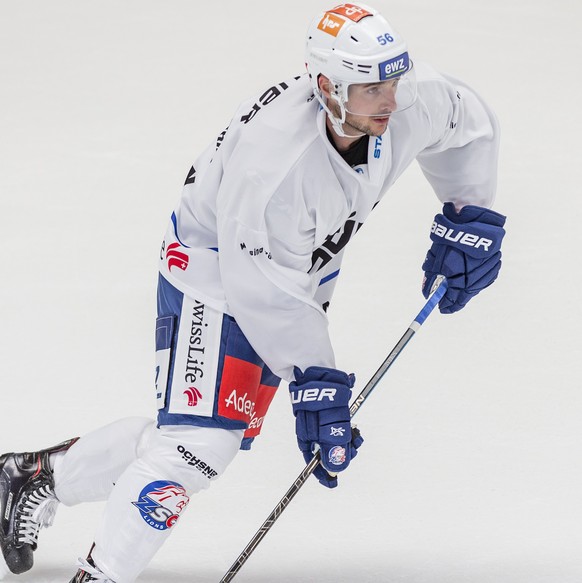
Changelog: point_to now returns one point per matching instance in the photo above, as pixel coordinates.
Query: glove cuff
(471, 213)
(323, 374)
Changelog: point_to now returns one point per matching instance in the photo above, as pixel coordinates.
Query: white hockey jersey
(266, 212)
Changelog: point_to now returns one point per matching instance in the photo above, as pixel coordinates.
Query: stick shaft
(354, 407)
(414, 326)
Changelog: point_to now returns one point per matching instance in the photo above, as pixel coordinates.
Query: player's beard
(358, 125)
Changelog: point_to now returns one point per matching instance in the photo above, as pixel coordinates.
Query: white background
(471, 471)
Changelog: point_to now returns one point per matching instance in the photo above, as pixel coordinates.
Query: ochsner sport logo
(160, 503)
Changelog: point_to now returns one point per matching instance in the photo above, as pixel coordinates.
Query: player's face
(369, 106)
(372, 99)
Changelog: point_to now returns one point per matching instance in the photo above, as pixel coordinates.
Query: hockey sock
(152, 495)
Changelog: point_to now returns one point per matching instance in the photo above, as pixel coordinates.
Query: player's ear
(324, 85)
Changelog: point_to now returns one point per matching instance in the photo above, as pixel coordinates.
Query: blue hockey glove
(466, 250)
(320, 397)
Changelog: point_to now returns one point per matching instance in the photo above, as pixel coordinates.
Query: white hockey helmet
(354, 44)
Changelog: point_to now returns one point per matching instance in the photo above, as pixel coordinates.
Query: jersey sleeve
(461, 161)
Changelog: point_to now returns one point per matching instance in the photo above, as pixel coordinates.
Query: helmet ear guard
(337, 91)
(336, 121)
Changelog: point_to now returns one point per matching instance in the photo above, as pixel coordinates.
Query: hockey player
(247, 270)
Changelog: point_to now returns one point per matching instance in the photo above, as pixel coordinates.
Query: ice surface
(471, 470)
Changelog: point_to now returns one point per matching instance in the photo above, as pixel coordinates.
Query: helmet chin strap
(337, 122)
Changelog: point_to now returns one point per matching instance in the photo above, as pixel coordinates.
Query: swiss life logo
(193, 395)
(176, 258)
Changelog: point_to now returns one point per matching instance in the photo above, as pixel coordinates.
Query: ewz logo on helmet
(394, 67)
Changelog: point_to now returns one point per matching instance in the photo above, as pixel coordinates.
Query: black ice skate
(27, 503)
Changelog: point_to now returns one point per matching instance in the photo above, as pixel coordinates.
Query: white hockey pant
(146, 474)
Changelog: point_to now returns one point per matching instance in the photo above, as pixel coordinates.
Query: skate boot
(27, 503)
(89, 572)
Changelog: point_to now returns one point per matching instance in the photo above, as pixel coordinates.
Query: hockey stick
(440, 287)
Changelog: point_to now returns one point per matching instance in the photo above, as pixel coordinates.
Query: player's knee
(192, 456)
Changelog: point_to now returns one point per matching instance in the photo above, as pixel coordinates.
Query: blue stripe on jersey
(175, 223)
(329, 277)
